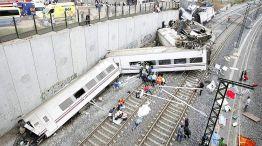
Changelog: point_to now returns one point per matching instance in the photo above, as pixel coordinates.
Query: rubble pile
(185, 33)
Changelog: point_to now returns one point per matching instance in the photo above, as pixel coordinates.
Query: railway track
(106, 132)
(163, 128)
(170, 115)
(162, 131)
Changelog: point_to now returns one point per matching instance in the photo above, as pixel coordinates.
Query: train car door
(48, 122)
(118, 62)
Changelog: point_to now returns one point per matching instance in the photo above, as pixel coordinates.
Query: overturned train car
(162, 59)
(44, 120)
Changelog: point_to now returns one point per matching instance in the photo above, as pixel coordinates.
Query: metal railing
(85, 15)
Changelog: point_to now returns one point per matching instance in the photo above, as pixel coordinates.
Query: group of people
(183, 131)
(118, 112)
(148, 76)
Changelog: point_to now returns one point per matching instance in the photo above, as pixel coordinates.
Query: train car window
(79, 93)
(196, 60)
(152, 62)
(101, 76)
(180, 61)
(91, 84)
(65, 104)
(164, 62)
(110, 68)
(45, 119)
(134, 63)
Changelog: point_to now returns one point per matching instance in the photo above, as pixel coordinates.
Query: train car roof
(147, 50)
(74, 86)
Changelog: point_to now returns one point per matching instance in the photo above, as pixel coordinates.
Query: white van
(7, 14)
(39, 7)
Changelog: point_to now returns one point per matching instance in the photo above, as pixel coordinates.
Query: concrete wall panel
(122, 33)
(9, 105)
(77, 38)
(139, 29)
(22, 68)
(92, 51)
(43, 53)
(63, 54)
(130, 33)
(102, 32)
(113, 35)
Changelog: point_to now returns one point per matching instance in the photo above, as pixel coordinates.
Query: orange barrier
(245, 141)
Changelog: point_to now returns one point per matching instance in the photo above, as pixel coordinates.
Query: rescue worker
(187, 131)
(163, 82)
(121, 101)
(245, 76)
(154, 77)
(124, 116)
(186, 122)
(201, 85)
(180, 133)
(137, 122)
(88, 19)
(111, 111)
(159, 80)
(147, 89)
(118, 114)
(150, 79)
(247, 103)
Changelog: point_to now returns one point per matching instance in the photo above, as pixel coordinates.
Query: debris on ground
(251, 116)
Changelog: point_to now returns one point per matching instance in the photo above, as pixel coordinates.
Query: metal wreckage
(185, 33)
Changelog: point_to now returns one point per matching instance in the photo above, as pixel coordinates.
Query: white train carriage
(205, 14)
(48, 117)
(162, 59)
(167, 37)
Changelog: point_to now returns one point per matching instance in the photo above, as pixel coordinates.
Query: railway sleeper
(146, 144)
(112, 126)
(167, 125)
(178, 106)
(161, 132)
(176, 110)
(93, 140)
(163, 127)
(155, 143)
(170, 117)
(167, 120)
(134, 101)
(182, 96)
(129, 110)
(186, 91)
(107, 130)
(171, 112)
(157, 137)
(90, 142)
(104, 133)
(131, 105)
(98, 137)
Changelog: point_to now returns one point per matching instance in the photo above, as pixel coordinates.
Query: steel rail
(142, 142)
(110, 140)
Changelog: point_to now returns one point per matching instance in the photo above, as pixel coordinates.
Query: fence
(31, 25)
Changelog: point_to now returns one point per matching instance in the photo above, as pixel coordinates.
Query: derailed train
(162, 59)
(44, 120)
(198, 14)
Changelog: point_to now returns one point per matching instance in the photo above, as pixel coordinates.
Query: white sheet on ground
(222, 120)
(224, 103)
(118, 121)
(211, 87)
(143, 110)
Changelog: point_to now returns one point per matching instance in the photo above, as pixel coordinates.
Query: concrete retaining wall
(34, 69)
